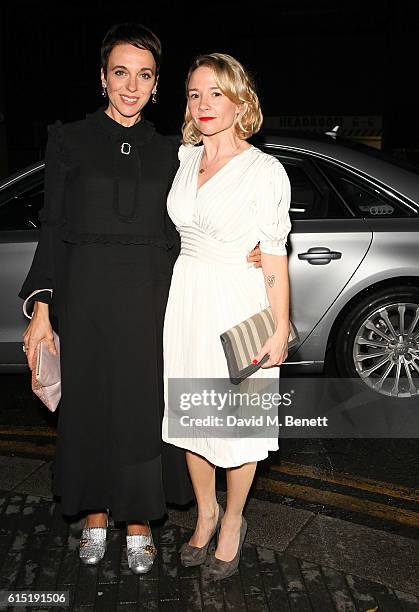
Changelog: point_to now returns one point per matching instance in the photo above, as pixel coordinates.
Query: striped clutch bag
(243, 341)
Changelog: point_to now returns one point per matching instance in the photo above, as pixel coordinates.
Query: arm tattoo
(270, 280)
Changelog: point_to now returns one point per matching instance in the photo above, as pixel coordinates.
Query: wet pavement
(333, 525)
(293, 559)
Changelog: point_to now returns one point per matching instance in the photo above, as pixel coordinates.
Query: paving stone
(3, 500)
(270, 525)
(291, 573)
(69, 568)
(169, 605)
(106, 597)
(39, 483)
(14, 470)
(293, 582)
(315, 586)
(212, 593)
(275, 592)
(124, 569)
(266, 559)
(354, 549)
(190, 595)
(126, 607)
(39, 551)
(234, 598)
(339, 590)
(58, 528)
(4, 546)
(299, 602)
(386, 600)
(71, 596)
(49, 568)
(109, 566)
(10, 570)
(409, 602)
(4, 583)
(168, 588)
(149, 590)
(43, 512)
(361, 592)
(128, 589)
(149, 606)
(168, 545)
(256, 603)
(22, 540)
(11, 515)
(31, 567)
(86, 585)
(249, 572)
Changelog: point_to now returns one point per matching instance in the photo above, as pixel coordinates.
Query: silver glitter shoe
(141, 553)
(92, 545)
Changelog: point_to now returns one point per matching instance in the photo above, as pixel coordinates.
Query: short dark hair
(132, 34)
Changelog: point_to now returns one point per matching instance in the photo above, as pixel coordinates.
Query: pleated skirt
(206, 299)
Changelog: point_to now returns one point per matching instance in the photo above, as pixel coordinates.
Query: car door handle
(319, 256)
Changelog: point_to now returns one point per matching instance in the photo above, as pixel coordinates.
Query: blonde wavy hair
(235, 83)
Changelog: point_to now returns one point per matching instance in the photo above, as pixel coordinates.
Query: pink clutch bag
(46, 373)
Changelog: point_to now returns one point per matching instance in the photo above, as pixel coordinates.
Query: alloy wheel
(386, 350)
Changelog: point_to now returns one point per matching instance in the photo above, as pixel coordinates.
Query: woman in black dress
(106, 249)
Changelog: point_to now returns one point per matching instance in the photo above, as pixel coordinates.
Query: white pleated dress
(213, 286)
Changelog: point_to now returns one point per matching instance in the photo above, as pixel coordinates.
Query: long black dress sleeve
(42, 273)
(170, 227)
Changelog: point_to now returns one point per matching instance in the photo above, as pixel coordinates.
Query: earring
(104, 93)
(154, 97)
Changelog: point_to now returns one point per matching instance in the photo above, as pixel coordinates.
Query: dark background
(308, 58)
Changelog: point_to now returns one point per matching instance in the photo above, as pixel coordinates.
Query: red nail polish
(255, 361)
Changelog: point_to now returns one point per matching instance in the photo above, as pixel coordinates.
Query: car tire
(360, 329)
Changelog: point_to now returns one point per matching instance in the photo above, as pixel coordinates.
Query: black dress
(107, 248)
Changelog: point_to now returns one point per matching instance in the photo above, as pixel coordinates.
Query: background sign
(363, 128)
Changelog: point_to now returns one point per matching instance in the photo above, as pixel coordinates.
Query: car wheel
(378, 341)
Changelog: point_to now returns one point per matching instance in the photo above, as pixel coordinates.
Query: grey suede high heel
(219, 569)
(196, 555)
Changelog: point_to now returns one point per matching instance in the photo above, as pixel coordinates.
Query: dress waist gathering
(200, 246)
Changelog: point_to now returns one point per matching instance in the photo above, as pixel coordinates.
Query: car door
(19, 207)
(326, 246)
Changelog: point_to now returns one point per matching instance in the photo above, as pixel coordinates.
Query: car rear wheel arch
(388, 284)
(388, 362)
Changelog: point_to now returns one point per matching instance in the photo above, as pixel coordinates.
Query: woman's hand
(38, 329)
(255, 257)
(276, 347)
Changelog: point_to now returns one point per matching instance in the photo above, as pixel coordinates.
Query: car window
(364, 199)
(311, 195)
(19, 210)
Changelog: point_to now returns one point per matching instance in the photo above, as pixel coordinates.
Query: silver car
(353, 261)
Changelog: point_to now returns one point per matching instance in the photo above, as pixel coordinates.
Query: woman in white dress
(227, 195)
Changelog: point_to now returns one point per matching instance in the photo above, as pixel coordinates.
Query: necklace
(204, 168)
